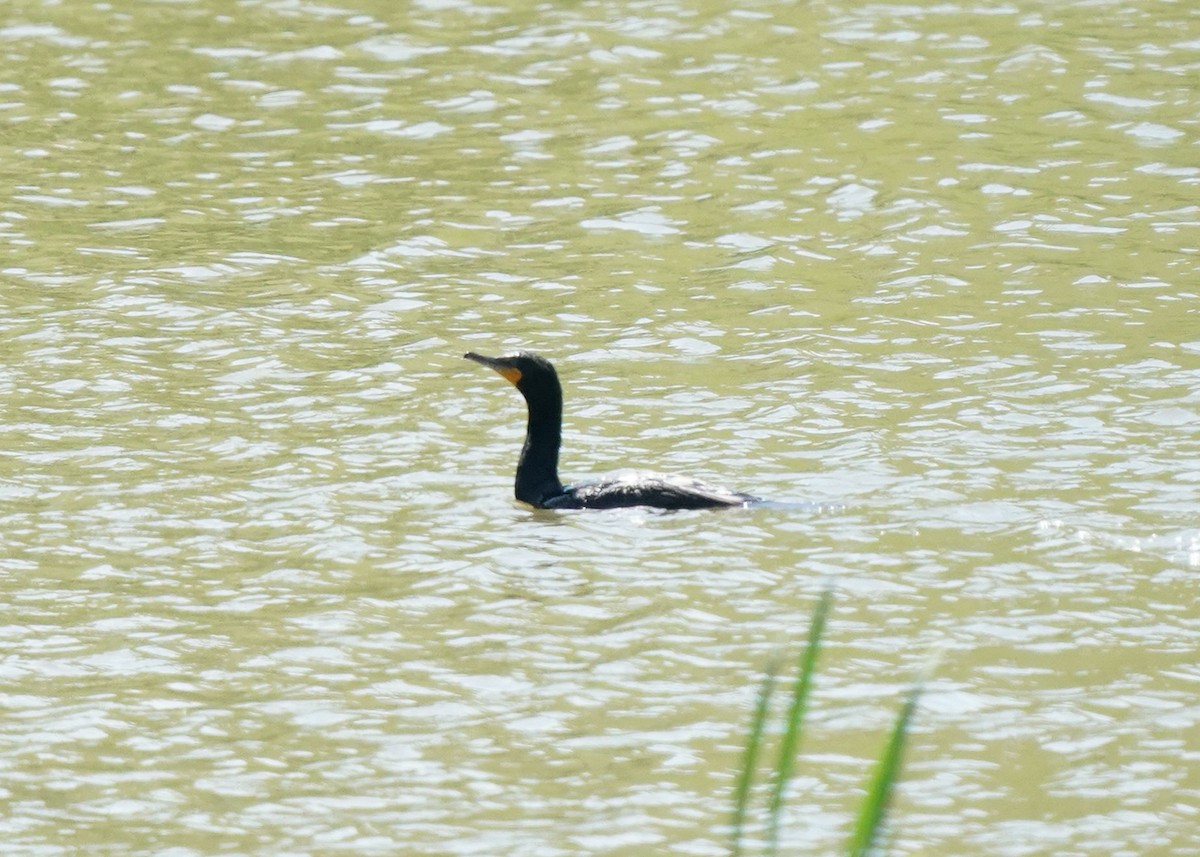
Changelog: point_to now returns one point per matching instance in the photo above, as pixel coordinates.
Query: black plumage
(537, 481)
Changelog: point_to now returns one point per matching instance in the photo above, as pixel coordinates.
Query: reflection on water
(923, 275)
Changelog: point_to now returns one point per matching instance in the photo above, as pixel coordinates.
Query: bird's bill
(499, 364)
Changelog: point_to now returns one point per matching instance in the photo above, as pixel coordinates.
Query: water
(264, 587)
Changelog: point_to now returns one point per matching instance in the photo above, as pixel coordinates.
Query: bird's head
(533, 375)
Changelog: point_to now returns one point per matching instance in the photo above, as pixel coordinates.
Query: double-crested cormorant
(537, 470)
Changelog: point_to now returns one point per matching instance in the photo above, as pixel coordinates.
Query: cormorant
(537, 480)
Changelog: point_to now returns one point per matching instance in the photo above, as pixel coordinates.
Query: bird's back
(658, 490)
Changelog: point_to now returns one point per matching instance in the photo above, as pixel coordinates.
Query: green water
(263, 589)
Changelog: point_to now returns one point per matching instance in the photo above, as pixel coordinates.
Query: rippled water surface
(932, 268)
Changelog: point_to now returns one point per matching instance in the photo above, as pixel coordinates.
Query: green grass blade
(879, 795)
(741, 794)
(795, 717)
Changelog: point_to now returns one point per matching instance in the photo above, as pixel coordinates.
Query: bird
(537, 482)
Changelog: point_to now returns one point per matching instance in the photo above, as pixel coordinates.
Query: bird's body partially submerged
(537, 480)
(636, 488)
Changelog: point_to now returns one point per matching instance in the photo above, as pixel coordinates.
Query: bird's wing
(654, 489)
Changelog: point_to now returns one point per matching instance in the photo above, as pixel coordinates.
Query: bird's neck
(537, 469)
